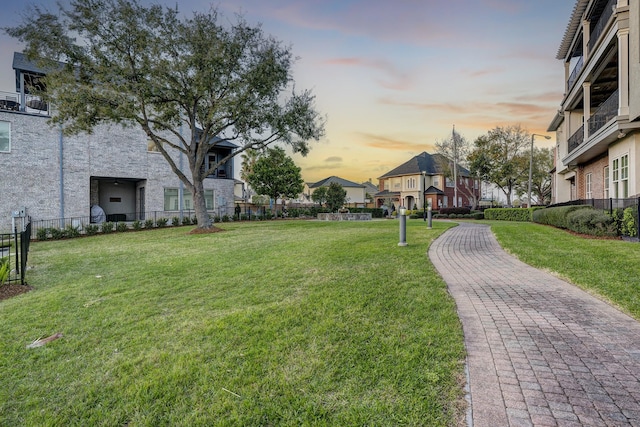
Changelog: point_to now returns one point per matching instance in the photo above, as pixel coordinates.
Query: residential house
(356, 193)
(114, 170)
(423, 179)
(598, 143)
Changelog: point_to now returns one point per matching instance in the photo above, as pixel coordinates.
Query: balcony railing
(607, 111)
(576, 139)
(602, 22)
(574, 74)
(10, 101)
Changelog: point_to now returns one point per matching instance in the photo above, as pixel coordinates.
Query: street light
(424, 196)
(531, 165)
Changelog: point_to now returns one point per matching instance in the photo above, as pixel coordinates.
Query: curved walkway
(540, 352)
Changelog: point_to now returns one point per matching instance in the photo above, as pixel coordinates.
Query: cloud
(333, 159)
(392, 78)
(386, 143)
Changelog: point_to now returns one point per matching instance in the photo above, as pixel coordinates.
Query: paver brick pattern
(540, 351)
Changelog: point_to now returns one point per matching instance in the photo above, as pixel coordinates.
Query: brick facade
(596, 169)
(42, 161)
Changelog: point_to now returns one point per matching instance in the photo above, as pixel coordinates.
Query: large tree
(275, 174)
(501, 157)
(336, 196)
(454, 152)
(149, 67)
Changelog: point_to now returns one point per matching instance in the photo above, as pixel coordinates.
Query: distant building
(355, 192)
(423, 178)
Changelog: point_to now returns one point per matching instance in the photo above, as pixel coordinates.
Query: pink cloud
(393, 78)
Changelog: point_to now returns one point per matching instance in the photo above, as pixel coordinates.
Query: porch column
(586, 33)
(586, 95)
(623, 72)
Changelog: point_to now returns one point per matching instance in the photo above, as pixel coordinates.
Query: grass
(281, 323)
(608, 268)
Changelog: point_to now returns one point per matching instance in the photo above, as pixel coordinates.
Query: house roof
(572, 28)
(370, 187)
(433, 190)
(343, 183)
(21, 63)
(423, 162)
(387, 193)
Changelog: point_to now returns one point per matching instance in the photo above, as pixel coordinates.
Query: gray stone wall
(31, 174)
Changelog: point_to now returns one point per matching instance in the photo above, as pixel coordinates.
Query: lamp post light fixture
(531, 166)
(402, 216)
(424, 195)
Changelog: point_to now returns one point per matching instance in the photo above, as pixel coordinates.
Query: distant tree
(540, 177)
(150, 68)
(454, 150)
(319, 195)
(276, 175)
(336, 196)
(249, 158)
(501, 158)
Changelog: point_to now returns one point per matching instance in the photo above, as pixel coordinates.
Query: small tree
(336, 196)
(454, 152)
(319, 195)
(276, 175)
(501, 158)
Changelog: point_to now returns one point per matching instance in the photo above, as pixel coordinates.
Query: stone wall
(344, 216)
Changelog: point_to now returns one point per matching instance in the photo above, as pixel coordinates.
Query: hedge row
(579, 218)
(509, 214)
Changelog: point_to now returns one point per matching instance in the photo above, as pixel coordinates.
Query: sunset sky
(394, 77)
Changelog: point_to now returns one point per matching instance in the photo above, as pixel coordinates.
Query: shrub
(122, 227)
(71, 232)
(4, 270)
(455, 211)
(175, 221)
(91, 229)
(148, 223)
(56, 233)
(477, 215)
(629, 222)
(161, 222)
(508, 214)
(186, 220)
(137, 225)
(226, 218)
(42, 233)
(107, 227)
(194, 220)
(592, 222)
(556, 216)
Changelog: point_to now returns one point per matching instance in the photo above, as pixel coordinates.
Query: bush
(508, 214)
(175, 221)
(137, 225)
(107, 227)
(592, 222)
(91, 229)
(161, 222)
(194, 220)
(5, 269)
(122, 227)
(56, 233)
(71, 232)
(186, 220)
(226, 218)
(148, 223)
(629, 222)
(556, 216)
(477, 215)
(42, 233)
(455, 211)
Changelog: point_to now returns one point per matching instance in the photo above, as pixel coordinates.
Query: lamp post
(531, 165)
(424, 195)
(429, 216)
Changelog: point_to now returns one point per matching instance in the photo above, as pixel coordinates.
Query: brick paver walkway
(540, 352)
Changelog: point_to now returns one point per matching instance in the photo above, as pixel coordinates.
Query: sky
(394, 77)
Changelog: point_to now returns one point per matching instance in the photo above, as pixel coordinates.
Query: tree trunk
(200, 205)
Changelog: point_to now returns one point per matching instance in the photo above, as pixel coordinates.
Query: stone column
(623, 72)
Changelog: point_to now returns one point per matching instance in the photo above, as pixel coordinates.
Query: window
(620, 177)
(5, 137)
(436, 181)
(411, 183)
(615, 176)
(606, 181)
(587, 186)
(171, 199)
(448, 182)
(152, 147)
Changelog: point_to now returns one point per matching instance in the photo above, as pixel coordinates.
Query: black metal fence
(609, 206)
(14, 250)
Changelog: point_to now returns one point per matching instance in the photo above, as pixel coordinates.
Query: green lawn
(608, 268)
(280, 323)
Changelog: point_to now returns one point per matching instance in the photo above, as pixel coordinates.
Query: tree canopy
(336, 196)
(152, 68)
(275, 174)
(455, 151)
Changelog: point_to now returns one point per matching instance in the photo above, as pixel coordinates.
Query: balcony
(607, 111)
(10, 101)
(600, 26)
(576, 139)
(575, 73)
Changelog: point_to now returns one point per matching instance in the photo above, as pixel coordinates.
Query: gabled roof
(433, 190)
(423, 162)
(343, 183)
(21, 63)
(370, 187)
